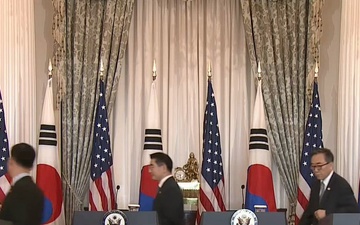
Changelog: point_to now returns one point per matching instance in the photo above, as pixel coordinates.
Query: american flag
(4, 155)
(312, 140)
(212, 191)
(101, 197)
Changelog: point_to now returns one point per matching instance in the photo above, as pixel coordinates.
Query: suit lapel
(328, 190)
(165, 185)
(316, 193)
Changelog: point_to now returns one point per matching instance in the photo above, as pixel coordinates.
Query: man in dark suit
(168, 203)
(24, 203)
(330, 193)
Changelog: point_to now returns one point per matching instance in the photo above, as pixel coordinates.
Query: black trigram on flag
(153, 139)
(47, 135)
(152, 144)
(258, 139)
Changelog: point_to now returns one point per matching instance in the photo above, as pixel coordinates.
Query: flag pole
(209, 74)
(259, 72)
(50, 69)
(101, 70)
(316, 71)
(154, 75)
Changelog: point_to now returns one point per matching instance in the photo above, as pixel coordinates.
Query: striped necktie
(322, 190)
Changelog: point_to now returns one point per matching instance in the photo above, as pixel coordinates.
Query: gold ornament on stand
(191, 168)
(187, 177)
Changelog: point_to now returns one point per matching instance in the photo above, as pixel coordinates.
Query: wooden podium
(341, 219)
(224, 218)
(207, 218)
(135, 218)
(3, 222)
(96, 218)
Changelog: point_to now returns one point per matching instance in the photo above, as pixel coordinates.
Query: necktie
(322, 190)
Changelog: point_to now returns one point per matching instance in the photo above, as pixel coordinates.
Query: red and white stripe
(100, 191)
(302, 199)
(5, 185)
(210, 200)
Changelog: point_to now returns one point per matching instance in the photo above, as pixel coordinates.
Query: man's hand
(319, 214)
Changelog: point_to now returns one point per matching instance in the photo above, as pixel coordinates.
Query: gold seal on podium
(244, 217)
(114, 217)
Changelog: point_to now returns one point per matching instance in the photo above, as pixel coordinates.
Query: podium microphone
(116, 193)
(242, 192)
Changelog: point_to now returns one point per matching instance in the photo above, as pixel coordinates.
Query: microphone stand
(116, 194)
(242, 192)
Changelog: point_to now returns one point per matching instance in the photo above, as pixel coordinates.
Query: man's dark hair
(162, 159)
(329, 157)
(23, 154)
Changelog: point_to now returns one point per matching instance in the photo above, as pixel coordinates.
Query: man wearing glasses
(330, 193)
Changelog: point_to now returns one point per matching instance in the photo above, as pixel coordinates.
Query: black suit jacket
(169, 203)
(337, 198)
(24, 203)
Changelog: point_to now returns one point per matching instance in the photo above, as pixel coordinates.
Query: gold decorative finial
(50, 69)
(316, 70)
(101, 69)
(259, 71)
(209, 71)
(154, 71)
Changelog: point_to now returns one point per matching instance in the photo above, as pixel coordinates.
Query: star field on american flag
(4, 154)
(4, 145)
(212, 191)
(101, 194)
(313, 136)
(212, 168)
(312, 140)
(101, 159)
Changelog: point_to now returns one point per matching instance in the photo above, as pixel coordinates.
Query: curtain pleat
(183, 37)
(85, 32)
(17, 70)
(284, 37)
(348, 126)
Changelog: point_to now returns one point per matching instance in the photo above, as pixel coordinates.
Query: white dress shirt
(163, 180)
(18, 177)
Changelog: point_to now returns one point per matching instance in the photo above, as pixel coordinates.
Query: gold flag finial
(209, 74)
(154, 71)
(316, 70)
(259, 71)
(50, 69)
(101, 70)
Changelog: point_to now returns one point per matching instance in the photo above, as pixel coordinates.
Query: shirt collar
(18, 177)
(327, 179)
(163, 180)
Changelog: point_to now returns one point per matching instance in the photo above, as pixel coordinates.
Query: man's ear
(163, 167)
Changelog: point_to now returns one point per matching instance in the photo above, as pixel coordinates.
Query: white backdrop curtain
(17, 70)
(348, 149)
(183, 36)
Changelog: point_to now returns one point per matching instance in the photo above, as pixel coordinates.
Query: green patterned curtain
(85, 31)
(284, 36)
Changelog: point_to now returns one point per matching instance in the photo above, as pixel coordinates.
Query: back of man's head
(162, 159)
(23, 154)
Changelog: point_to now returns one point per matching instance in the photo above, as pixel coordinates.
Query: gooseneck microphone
(243, 198)
(116, 193)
